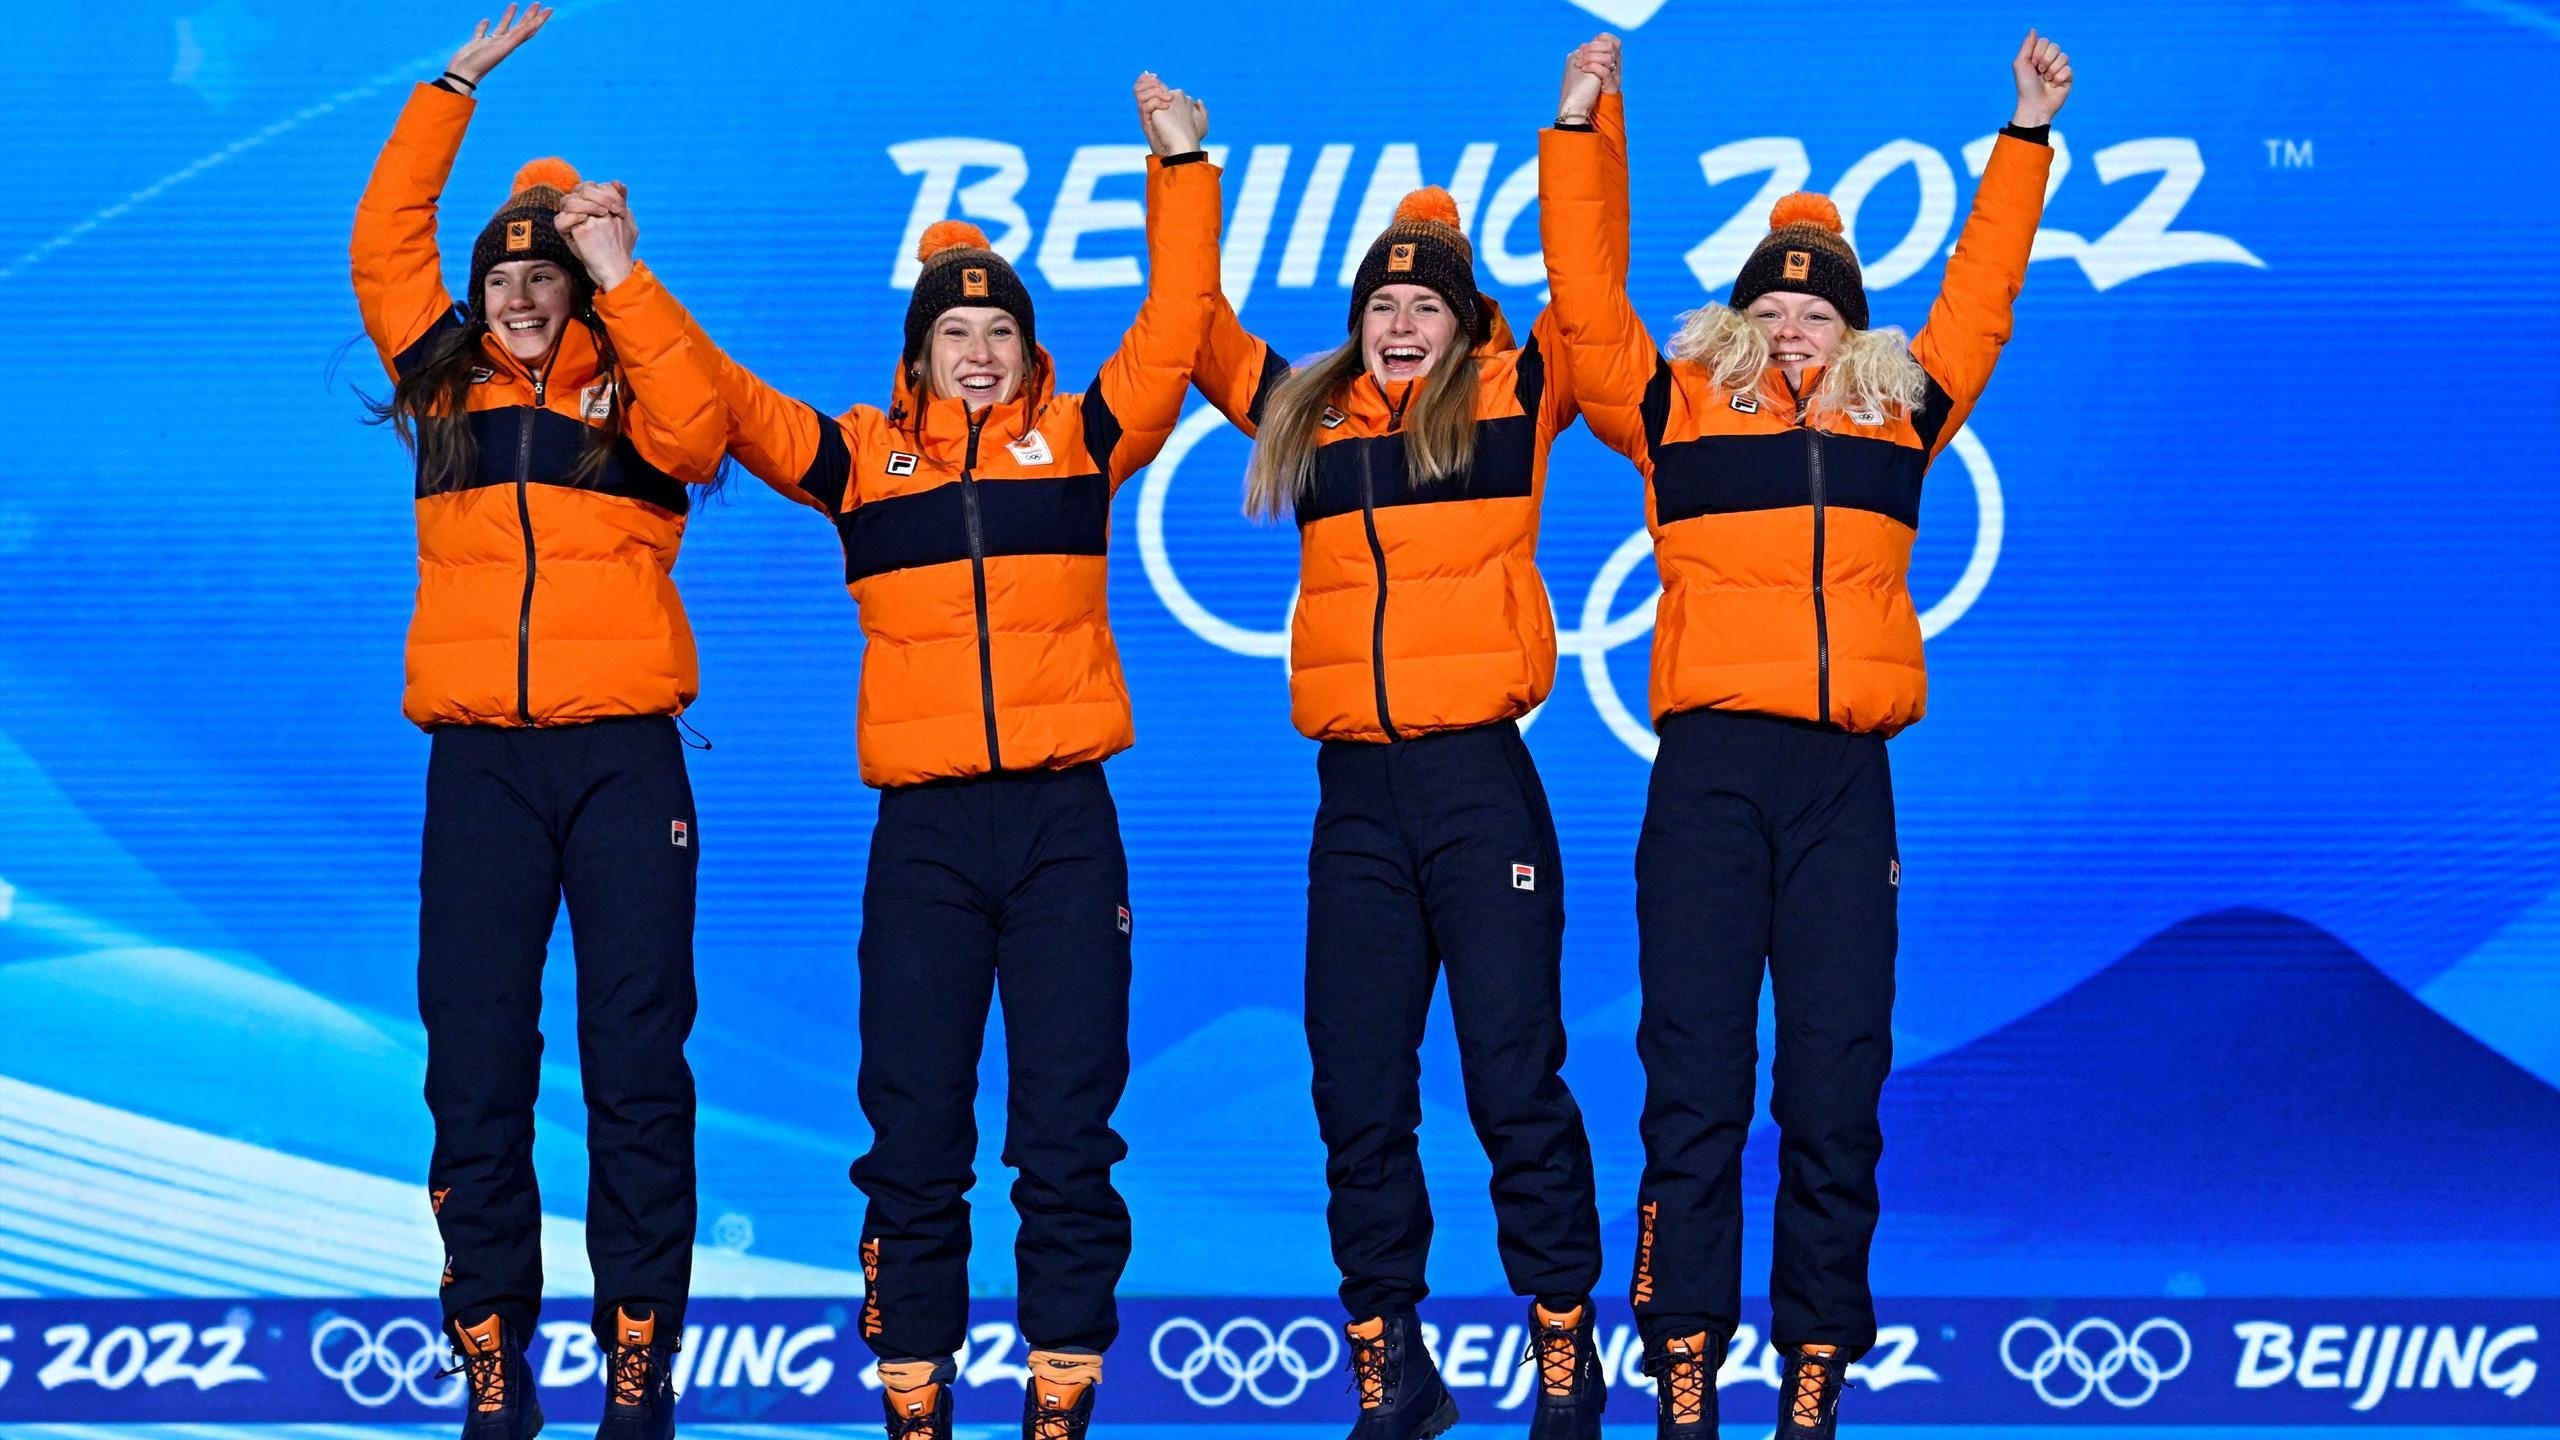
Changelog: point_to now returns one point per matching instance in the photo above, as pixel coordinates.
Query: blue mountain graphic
(2240, 1075)
(2241, 1104)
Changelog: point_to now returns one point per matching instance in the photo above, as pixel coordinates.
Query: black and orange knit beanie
(960, 268)
(1423, 246)
(526, 227)
(1805, 252)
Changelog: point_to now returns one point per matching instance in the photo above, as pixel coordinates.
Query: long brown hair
(1439, 433)
(430, 408)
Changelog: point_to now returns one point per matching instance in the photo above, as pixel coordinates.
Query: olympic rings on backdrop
(376, 1367)
(2096, 1373)
(1244, 1370)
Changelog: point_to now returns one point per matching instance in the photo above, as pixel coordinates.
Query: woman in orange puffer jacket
(974, 515)
(1413, 460)
(560, 416)
(1783, 444)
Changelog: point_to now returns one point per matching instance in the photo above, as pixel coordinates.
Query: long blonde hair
(1439, 433)
(1870, 369)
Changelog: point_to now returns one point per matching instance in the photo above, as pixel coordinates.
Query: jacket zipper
(978, 577)
(524, 520)
(1378, 557)
(1821, 620)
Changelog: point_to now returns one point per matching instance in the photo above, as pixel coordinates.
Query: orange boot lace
(484, 1362)
(1683, 1379)
(1815, 1398)
(635, 1363)
(1369, 1361)
(1559, 1358)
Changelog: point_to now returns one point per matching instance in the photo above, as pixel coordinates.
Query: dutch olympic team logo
(2146, 1353)
(376, 1366)
(1599, 629)
(1241, 1356)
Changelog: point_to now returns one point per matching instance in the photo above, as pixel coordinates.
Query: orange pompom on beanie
(1806, 252)
(960, 268)
(1423, 246)
(526, 228)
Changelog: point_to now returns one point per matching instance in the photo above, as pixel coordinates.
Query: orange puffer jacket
(541, 600)
(975, 543)
(1420, 607)
(1782, 529)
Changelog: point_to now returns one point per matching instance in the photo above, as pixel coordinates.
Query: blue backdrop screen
(2230, 964)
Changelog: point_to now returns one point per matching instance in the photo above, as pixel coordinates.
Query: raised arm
(1236, 369)
(1583, 225)
(398, 273)
(1971, 318)
(673, 414)
(788, 444)
(1136, 398)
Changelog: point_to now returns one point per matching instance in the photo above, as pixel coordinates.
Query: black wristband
(1576, 127)
(1187, 157)
(2032, 134)
(468, 86)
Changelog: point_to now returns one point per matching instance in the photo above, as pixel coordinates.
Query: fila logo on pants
(1524, 877)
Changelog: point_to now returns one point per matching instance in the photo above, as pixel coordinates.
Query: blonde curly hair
(1870, 370)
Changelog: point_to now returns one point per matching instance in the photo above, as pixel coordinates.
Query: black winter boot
(1809, 1395)
(498, 1401)
(919, 1404)
(1401, 1397)
(639, 1389)
(1684, 1386)
(1571, 1390)
(1056, 1407)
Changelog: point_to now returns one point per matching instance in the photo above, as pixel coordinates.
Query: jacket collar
(1379, 408)
(940, 424)
(1775, 390)
(572, 364)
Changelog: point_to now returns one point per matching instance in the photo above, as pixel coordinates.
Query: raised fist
(2043, 74)
(1589, 72)
(1174, 122)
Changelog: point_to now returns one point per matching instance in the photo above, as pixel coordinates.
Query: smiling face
(1404, 329)
(528, 305)
(1802, 329)
(975, 353)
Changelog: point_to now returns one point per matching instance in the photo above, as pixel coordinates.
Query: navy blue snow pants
(516, 819)
(1438, 853)
(1767, 842)
(1012, 884)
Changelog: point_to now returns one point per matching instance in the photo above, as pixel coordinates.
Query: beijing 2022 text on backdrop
(2229, 1019)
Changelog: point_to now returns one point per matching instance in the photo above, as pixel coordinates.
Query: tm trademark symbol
(2288, 154)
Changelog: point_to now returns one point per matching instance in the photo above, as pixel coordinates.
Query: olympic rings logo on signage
(1243, 1371)
(2096, 1373)
(375, 1367)
(1599, 630)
